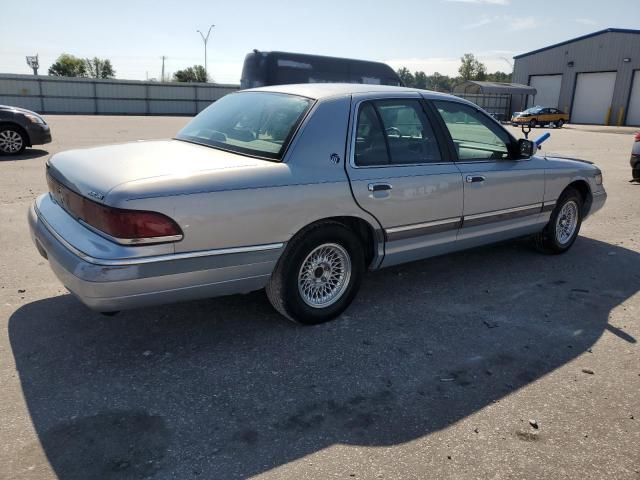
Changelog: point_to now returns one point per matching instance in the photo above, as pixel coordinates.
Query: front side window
(474, 135)
(394, 132)
(253, 123)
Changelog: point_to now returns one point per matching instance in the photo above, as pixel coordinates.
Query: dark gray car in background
(20, 128)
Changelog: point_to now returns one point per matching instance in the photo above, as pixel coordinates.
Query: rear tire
(559, 123)
(564, 224)
(533, 124)
(13, 140)
(318, 275)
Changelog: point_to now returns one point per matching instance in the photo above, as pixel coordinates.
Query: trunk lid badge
(96, 195)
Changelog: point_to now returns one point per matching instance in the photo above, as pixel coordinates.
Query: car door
(401, 172)
(502, 193)
(546, 116)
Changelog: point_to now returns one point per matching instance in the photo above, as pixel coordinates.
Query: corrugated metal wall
(45, 94)
(605, 52)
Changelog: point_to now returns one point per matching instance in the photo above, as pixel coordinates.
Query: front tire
(564, 224)
(12, 140)
(318, 275)
(533, 124)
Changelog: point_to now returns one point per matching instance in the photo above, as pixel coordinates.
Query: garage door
(592, 99)
(633, 115)
(548, 87)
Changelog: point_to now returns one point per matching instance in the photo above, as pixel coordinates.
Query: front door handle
(379, 187)
(475, 178)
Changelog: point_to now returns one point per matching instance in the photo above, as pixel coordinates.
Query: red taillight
(131, 227)
(637, 137)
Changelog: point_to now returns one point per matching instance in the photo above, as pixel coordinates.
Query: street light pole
(205, 40)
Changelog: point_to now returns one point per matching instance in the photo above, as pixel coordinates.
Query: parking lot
(495, 363)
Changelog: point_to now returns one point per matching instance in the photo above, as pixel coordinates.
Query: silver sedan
(300, 189)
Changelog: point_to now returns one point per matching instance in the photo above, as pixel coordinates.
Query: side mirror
(527, 148)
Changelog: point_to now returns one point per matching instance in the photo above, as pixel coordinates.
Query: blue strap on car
(541, 139)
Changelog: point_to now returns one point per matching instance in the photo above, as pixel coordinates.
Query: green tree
(406, 77)
(471, 68)
(499, 77)
(191, 74)
(440, 83)
(99, 68)
(420, 80)
(68, 66)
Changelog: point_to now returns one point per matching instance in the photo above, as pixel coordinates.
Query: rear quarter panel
(270, 204)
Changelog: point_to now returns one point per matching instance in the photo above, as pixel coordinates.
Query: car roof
(319, 91)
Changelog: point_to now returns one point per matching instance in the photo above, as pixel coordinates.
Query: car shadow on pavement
(26, 155)
(225, 388)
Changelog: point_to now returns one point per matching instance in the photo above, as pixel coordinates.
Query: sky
(421, 35)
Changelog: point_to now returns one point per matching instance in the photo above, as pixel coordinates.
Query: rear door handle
(379, 187)
(475, 178)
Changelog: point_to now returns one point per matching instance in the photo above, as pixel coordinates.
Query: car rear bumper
(39, 134)
(111, 284)
(634, 161)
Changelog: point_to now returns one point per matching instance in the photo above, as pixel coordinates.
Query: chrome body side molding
(419, 229)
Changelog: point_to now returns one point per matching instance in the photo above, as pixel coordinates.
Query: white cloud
(496, 53)
(482, 2)
(586, 21)
(523, 23)
(512, 23)
(484, 20)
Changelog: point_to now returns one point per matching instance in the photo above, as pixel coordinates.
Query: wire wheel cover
(324, 275)
(567, 222)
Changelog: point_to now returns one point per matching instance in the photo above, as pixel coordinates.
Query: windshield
(254, 123)
(533, 110)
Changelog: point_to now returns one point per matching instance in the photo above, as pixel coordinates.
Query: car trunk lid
(94, 172)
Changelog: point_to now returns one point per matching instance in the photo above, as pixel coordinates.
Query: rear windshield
(253, 123)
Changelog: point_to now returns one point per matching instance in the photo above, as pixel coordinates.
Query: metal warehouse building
(596, 77)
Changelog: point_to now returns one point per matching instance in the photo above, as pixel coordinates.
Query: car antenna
(526, 132)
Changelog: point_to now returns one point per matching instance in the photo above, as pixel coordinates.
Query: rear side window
(253, 123)
(475, 136)
(371, 146)
(394, 132)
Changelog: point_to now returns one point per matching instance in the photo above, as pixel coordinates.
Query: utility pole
(162, 74)
(34, 63)
(205, 40)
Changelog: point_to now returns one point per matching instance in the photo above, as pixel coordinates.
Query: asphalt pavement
(494, 363)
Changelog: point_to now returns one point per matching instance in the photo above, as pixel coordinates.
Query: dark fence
(497, 104)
